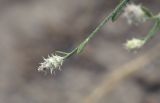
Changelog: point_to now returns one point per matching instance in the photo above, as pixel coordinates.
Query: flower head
(52, 63)
(134, 14)
(134, 44)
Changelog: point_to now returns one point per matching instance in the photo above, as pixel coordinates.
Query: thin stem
(71, 53)
(153, 31)
(116, 11)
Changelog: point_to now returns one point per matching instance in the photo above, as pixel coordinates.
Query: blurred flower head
(134, 14)
(134, 44)
(52, 63)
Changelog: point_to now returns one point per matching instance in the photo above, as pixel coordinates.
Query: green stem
(115, 12)
(153, 31)
(71, 53)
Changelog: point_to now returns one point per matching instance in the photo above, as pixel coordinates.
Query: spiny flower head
(134, 44)
(134, 14)
(52, 63)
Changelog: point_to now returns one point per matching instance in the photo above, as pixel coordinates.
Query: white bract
(134, 44)
(134, 14)
(52, 63)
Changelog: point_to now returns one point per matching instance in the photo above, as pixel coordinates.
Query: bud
(134, 44)
(52, 63)
(134, 14)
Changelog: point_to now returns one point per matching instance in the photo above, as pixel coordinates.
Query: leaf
(147, 11)
(60, 52)
(156, 27)
(116, 16)
(118, 11)
(81, 46)
(154, 30)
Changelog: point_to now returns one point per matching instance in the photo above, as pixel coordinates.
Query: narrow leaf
(154, 30)
(82, 46)
(147, 11)
(116, 15)
(60, 52)
(118, 11)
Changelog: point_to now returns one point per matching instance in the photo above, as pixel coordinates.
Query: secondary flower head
(134, 14)
(134, 44)
(52, 63)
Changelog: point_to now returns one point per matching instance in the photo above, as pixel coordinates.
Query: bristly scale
(52, 63)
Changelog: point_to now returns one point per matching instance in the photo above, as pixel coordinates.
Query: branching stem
(111, 16)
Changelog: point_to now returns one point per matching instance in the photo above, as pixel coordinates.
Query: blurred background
(32, 29)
